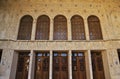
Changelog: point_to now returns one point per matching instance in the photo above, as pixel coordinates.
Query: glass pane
(80, 54)
(74, 54)
(39, 54)
(63, 54)
(55, 54)
(74, 59)
(46, 54)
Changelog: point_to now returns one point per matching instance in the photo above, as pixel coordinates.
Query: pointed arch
(60, 28)
(25, 28)
(77, 27)
(95, 32)
(43, 28)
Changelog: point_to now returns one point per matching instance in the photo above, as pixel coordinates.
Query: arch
(77, 27)
(43, 28)
(25, 28)
(95, 32)
(60, 28)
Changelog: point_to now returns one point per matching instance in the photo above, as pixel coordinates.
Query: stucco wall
(108, 12)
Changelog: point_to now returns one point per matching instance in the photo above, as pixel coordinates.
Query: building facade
(59, 39)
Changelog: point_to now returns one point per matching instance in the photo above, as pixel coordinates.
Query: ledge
(60, 40)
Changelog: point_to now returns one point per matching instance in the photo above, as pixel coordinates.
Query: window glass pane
(55, 54)
(80, 54)
(39, 54)
(63, 54)
(74, 54)
(46, 54)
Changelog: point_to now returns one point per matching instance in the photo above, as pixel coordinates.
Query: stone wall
(108, 12)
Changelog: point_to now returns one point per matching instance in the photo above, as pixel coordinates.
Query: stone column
(50, 67)
(70, 64)
(33, 29)
(31, 65)
(89, 72)
(51, 30)
(69, 29)
(86, 29)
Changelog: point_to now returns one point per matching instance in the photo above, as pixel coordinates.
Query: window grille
(94, 28)
(60, 28)
(25, 28)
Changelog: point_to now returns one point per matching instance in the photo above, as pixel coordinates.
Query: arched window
(43, 27)
(25, 28)
(77, 27)
(60, 28)
(94, 28)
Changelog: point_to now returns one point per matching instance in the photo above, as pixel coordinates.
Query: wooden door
(78, 65)
(60, 65)
(42, 65)
(97, 65)
(23, 66)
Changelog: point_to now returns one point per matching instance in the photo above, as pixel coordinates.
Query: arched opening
(43, 27)
(25, 28)
(60, 28)
(95, 32)
(77, 27)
